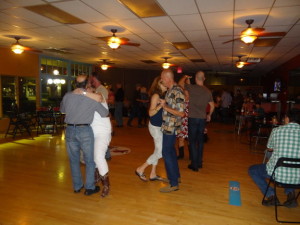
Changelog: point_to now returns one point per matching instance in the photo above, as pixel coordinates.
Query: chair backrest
(290, 173)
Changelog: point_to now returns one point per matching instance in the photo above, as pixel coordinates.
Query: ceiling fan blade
(272, 34)
(31, 49)
(231, 40)
(131, 44)
(123, 39)
(104, 38)
(258, 29)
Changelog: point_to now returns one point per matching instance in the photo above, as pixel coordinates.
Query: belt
(78, 125)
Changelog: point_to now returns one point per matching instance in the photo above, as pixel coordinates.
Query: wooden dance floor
(36, 187)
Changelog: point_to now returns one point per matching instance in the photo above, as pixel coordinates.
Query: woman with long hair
(156, 92)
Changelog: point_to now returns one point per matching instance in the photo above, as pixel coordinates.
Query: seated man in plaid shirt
(285, 142)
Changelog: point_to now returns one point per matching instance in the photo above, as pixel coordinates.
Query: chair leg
(266, 191)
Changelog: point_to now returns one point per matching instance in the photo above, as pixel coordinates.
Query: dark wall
(128, 78)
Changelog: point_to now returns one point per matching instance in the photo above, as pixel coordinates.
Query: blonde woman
(102, 136)
(156, 92)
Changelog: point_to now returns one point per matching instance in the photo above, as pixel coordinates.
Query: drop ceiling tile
(217, 20)
(108, 25)
(279, 3)
(81, 10)
(219, 44)
(189, 52)
(223, 52)
(152, 37)
(174, 36)
(277, 28)
(188, 22)
(90, 30)
(255, 4)
(26, 3)
(196, 35)
(260, 52)
(136, 26)
(283, 16)
(161, 24)
(202, 45)
(258, 15)
(289, 42)
(6, 5)
(31, 17)
(206, 6)
(53, 33)
(113, 9)
(294, 32)
(15, 22)
(217, 34)
(179, 8)
(148, 47)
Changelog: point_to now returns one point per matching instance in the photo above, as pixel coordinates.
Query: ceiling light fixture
(114, 42)
(166, 65)
(240, 64)
(248, 39)
(249, 35)
(17, 48)
(104, 66)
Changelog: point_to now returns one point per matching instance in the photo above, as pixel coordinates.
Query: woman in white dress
(102, 136)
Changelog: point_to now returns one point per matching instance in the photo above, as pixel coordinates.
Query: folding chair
(288, 163)
(18, 124)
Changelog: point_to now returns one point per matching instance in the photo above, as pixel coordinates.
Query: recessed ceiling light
(55, 14)
(145, 8)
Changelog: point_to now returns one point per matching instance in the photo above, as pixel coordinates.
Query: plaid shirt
(285, 142)
(175, 100)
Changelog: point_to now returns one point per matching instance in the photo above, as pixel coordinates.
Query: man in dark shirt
(199, 97)
(119, 98)
(135, 109)
(79, 112)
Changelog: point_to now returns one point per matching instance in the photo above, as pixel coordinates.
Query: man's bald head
(168, 73)
(81, 81)
(200, 76)
(167, 77)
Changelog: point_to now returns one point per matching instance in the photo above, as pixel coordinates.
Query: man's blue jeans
(196, 128)
(170, 158)
(81, 138)
(259, 174)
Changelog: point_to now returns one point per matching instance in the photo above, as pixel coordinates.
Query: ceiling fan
(249, 35)
(166, 64)
(105, 64)
(114, 42)
(240, 64)
(18, 48)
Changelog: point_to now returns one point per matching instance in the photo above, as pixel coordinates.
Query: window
(8, 93)
(27, 94)
(53, 90)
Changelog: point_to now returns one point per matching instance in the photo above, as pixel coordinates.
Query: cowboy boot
(105, 183)
(97, 176)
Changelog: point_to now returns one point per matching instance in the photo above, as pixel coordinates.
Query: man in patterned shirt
(285, 142)
(173, 110)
